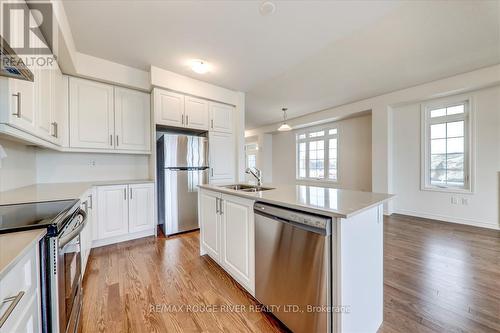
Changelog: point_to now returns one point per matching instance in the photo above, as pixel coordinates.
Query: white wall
(482, 207)
(18, 168)
(354, 163)
(55, 167)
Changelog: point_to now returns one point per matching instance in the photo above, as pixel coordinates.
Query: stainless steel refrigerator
(182, 164)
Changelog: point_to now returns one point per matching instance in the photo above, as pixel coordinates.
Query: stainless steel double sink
(247, 188)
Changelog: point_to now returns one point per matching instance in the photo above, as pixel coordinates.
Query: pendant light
(284, 127)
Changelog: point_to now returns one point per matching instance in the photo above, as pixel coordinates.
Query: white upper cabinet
(169, 108)
(18, 104)
(31, 106)
(91, 114)
(141, 207)
(222, 157)
(132, 120)
(221, 117)
(44, 88)
(196, 113)
(112, 211)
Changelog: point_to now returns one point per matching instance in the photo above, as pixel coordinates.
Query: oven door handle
(75, 232)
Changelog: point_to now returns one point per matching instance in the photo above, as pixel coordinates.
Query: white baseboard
(448, 219)
(122, 238)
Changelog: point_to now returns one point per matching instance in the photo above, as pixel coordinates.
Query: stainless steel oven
(64, 276)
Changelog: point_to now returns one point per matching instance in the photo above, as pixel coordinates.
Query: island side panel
(361, 271)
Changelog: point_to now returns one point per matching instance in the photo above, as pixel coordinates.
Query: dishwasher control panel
(293, 216)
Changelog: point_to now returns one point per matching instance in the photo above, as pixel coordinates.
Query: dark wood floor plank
(438, 277)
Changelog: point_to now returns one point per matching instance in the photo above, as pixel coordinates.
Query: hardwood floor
(439, 277)
(129, 286)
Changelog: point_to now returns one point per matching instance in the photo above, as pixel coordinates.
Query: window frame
(325, 138)
(469, 148)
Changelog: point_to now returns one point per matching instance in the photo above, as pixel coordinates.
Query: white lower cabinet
(141, 207)
(209, 223)
(227, 234)
(112, 211)
(20, 286)
(124, 212)
(238, 245)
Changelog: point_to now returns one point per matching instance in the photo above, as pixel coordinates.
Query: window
(317, 154)
(446, 146)
(251, 150)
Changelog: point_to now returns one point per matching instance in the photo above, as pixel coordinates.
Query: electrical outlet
(465, 201)
(92, 163)
(454, 201)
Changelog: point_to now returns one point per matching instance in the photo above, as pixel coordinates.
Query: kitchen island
(234, 236)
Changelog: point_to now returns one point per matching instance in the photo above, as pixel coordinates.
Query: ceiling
(308, 56)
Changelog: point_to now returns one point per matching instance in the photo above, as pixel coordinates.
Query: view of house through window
(317, 154)
(446, 146)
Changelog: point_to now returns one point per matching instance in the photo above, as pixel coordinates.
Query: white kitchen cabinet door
(91, 114)
(61, 112)
(168, 108)
(44, 88)
(196, 113)
(141, 207)
(238, 249)
(112, 206)
(20, 110)
(132, 120)
(222, 156)
(221, 117)
(209, 223)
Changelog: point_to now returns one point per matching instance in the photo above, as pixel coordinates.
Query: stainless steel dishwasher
(293, 267)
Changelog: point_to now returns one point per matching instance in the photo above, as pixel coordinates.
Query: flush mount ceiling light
(284, 126)
(267, 8)
(200, 66)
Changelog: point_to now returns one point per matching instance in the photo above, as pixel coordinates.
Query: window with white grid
(317, 154)
(447, 146)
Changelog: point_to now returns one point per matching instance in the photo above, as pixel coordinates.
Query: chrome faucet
(256, 173)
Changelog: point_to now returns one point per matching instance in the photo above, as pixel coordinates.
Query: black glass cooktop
(33, 215)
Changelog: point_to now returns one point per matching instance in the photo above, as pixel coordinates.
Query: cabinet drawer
(26, 321)
(21, 278)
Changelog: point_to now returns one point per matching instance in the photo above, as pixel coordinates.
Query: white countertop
(57, 191)
(14, 245)
(314, 199)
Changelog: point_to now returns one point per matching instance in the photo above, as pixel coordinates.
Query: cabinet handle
(117, 143)
(212, 123)
(187, 120)
(111, 140)
(182, 119)
(91, 202)
(216, 205)
(221, 211)
(13, 300)
(18, 113)
(131, 195)
(54, 127)
(211, 172)
(125, 194)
